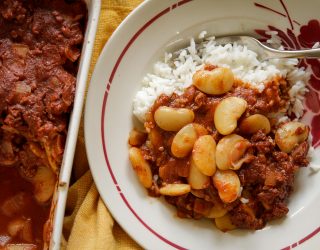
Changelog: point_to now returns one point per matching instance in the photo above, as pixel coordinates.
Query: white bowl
(154, 27)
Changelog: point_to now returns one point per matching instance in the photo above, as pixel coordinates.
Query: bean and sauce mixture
(40, 44)
(215, 152)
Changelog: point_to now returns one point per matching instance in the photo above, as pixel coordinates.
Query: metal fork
(264, 52)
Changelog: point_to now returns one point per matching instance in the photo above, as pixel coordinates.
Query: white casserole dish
(60, 197)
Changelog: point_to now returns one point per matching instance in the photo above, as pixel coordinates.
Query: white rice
(314, 165)
(174, 72)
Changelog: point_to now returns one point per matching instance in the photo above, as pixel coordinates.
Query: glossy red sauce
(13, 185)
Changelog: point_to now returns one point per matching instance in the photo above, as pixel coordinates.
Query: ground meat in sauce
(40, 44)
(267, 178)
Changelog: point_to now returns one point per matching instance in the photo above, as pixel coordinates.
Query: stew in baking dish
(40, 45)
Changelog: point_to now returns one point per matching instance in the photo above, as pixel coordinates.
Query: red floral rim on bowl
(309, 36)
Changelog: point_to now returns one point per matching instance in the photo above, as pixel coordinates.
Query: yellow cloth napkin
(88, 223)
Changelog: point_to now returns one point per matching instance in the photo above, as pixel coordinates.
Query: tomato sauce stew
(218, 151)
(40, 47)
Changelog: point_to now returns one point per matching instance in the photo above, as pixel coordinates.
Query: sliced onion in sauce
(23, 88)
(15, 227)
(20, 49)
(6, 147)
(14, 204)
